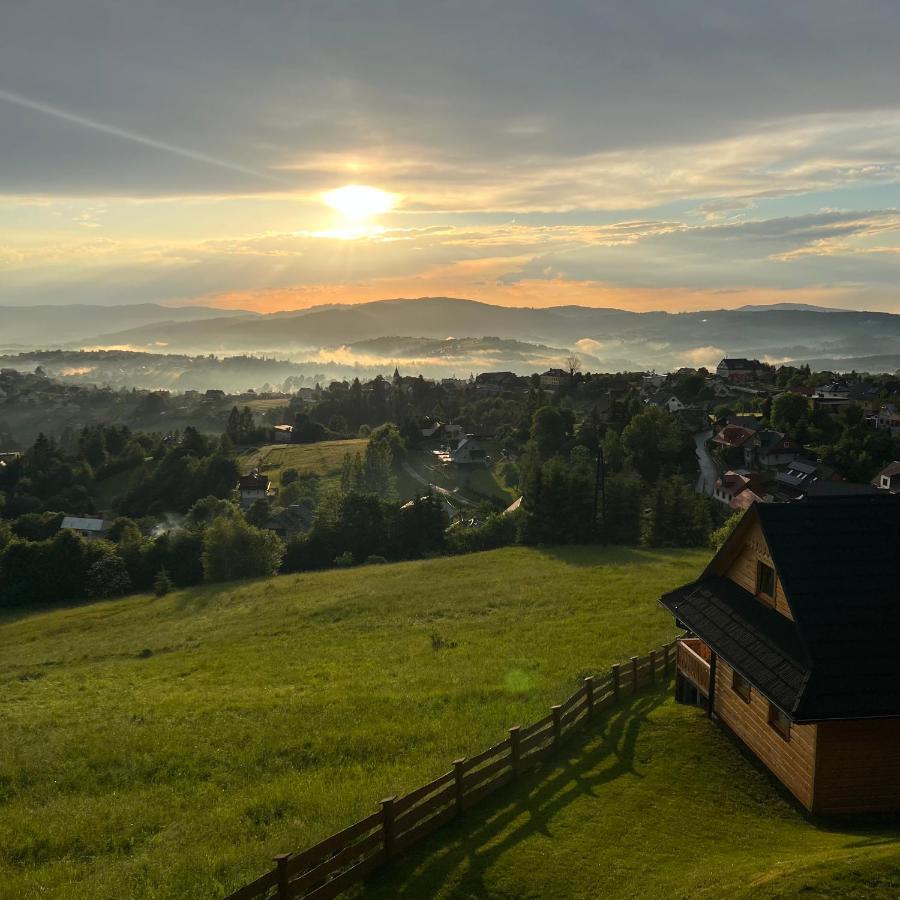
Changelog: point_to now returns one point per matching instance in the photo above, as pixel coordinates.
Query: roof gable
(838, 561)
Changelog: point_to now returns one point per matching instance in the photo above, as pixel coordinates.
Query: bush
(375, 560)
(108, 577)
(234, 549)
(497, 531)
(344, 560)
(162, 584)
(723, 532)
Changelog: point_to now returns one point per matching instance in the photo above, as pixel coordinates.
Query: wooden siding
(792, 761)
(742, 569)
(858, 767)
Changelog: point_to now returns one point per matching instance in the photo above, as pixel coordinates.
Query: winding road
(709, 472)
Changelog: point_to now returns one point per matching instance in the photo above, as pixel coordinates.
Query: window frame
(779, 722)
(744, 689)
(760, 592)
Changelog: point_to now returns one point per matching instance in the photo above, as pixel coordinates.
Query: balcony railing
(692, 661)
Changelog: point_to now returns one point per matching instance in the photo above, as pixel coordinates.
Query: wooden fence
(334, 864)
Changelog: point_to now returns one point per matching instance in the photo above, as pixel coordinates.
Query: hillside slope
(655, 802)
(168, 748)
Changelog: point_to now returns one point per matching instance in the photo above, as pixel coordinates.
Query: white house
(888, 479)
(253, 487)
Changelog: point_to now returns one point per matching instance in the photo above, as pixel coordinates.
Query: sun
(359, 202)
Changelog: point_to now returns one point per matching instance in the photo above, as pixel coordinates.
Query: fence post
(557, 726)
(589, 691)
(514, 754)
(387, 826)
(634, 667)
(281, 866)
(458, 781)
(615, 676)
(666, 650)
(652, 667)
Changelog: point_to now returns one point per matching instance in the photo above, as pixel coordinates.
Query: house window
(780, 722)
(740, 686)
(765, 580)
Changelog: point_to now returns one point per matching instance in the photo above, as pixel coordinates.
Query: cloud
(510, 106)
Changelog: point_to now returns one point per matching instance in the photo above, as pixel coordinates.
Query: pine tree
(162, 584)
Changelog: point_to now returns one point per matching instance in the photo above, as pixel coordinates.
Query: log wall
(793, 761)
(858, 767)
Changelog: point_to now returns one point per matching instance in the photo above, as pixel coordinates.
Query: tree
(107, 577)
(232, 548)
(677, 516)
(723, 532)
(621, 523)
(550, 429)
(788, 410)
(206, 510)
(259, 513)
(653, 441)
(162, 584)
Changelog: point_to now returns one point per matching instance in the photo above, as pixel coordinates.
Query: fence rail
(333, 865)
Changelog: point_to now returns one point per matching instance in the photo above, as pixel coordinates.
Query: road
(709, 472)
(436, 487)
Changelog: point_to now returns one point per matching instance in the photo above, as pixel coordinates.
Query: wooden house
(794, 646)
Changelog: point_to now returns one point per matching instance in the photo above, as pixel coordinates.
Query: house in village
(91, 528)
(730, 443)
(738, 369)
(253, 487)
(497, 382)
(739, 490)
(554, 378)
(283, 434)
(797, 478)
(792, 645)
(888, 418)
(672, 400)
(888, 479)
(468, 452)
(768, 449)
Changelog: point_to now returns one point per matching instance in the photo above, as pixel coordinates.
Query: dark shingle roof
(838, 559)
(839, 563)
(760, 643)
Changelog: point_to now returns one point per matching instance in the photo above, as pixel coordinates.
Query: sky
(643, 155)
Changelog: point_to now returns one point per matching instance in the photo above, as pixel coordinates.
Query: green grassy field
(654, 802)
(324, 459)
(169, 747)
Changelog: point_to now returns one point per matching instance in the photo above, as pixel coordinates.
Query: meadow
(169, 747)
(324, 458)
(655, 801)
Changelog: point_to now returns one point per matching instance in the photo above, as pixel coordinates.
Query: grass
(475, 483)
(324, 459)
(168, 748)
(656, 802)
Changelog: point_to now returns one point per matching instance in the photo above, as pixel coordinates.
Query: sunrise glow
(359, 202)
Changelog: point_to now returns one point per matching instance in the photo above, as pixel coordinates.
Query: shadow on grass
(592, 555)
(600, 753)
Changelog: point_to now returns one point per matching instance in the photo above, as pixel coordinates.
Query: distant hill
(889, 362)
(617, 339)
(42, 326)
(768, 307)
